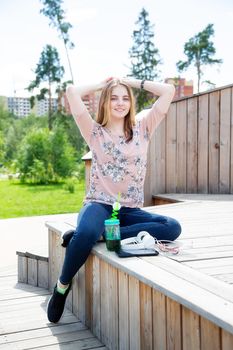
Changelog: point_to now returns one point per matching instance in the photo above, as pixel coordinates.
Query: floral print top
(117, 165)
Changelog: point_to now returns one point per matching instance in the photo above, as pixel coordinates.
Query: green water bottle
(112, 234)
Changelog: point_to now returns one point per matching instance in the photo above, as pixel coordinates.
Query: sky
(102, 34)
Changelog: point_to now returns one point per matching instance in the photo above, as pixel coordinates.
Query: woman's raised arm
(78, 109)
(76, 93)
(165, 92)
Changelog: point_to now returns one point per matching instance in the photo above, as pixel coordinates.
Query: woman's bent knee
(87, 234)
(175, 228)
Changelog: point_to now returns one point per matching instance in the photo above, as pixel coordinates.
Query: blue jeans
(90, 227)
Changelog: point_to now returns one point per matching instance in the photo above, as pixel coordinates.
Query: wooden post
(87, 158)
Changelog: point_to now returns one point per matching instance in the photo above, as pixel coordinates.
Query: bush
(45, 156)
(70, 185)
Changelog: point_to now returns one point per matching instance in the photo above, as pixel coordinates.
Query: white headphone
(142, 241)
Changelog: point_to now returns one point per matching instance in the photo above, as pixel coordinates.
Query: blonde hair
(104, 111)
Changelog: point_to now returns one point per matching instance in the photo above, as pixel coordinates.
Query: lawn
(18, 200)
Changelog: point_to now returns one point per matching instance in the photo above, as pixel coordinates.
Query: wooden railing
(192, 150)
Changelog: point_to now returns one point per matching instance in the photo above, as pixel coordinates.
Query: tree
(52, 9)
(45, 156)
(48, 70)
(7, 126)
(144, 56)
(199, 51)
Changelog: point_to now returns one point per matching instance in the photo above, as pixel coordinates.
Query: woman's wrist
(134, 83)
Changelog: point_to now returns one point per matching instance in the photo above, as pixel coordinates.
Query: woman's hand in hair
(105, 82)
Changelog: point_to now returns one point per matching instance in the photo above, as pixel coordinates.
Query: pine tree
(48, 70)
(199, 51)
(144, 56)
(53, 10)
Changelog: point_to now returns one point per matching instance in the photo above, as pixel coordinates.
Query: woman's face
(120, 102)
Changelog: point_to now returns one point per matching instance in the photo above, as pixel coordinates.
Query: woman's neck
(116, 127)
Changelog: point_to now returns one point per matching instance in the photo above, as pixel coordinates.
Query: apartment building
(183, 87)
(21, 107)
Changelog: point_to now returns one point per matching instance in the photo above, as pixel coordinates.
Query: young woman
(119, 145)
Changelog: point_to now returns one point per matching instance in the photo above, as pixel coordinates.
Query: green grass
(18, 200)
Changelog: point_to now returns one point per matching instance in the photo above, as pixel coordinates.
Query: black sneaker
(66, 237)
(56, 305)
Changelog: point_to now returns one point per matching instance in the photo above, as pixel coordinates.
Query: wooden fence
(192, 150)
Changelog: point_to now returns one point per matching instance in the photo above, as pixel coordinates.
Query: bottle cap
(112, 222)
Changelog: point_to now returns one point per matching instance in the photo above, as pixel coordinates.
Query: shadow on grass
(49, 187)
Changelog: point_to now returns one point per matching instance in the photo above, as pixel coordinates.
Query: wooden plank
(225, 141)
(17, 295)
(11, 270)
(225, 277)
(173, 324)
(104, 303)
(146, 327)
(32, 272)
(194, 197)
(159, 320)
(204, 242)
(31, 324)
(218, 270)
(198, 279)
(75, 297)
(192, 145)
(200, 264)
(81, 294)
(181, 145)
(59, 227)
(184, 257)
(22, 269)
(113, 320)
(50, 249)
(190, 330)
(43, 274)
(123, 290)
(89, 291)
(159, 155)
(231, 161)
(42, 332)
(96, 296)
(214, 142)
(50, 340)
(53, 268)
(21, 304)
(171, 148)
(56, 257)
(210, 335)
(227, 340)
(203, 136)
(211, 249)
(33, 256)
(134, 314)
(150, 184)
(91, 343)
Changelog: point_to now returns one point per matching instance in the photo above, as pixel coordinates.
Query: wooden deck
(207, 237)
(183, 301)
(24, 324)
